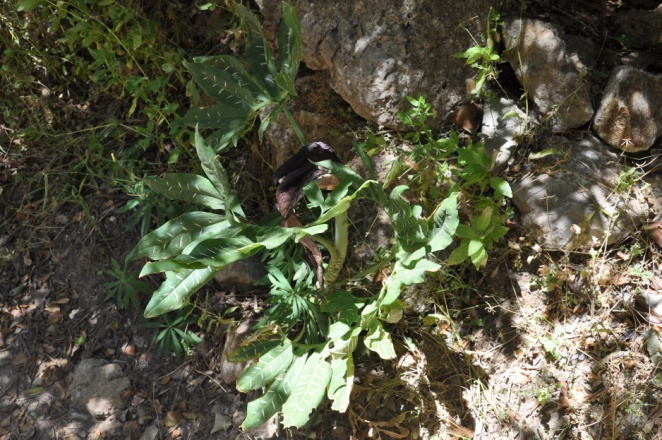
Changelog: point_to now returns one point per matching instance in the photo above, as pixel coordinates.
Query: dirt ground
(534, 346)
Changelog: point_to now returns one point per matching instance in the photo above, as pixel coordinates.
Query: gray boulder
(551, 66)
(629, 116)
(378, 52)
(571, 198)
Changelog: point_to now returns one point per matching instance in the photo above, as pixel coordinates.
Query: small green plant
(125, 288)
(484, 57)
(443, 166)
(550, 346)
(174, 335)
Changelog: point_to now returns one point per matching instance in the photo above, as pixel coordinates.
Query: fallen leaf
(172, 418)
(655, 232)
(221, 423)
(469, 117)
(55, 317)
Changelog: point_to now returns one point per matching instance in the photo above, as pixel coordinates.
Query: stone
(552, 68)
(378, 52)
(241, 275)
(229, 372)
(503, 123)
(629, 116)
(99, 387)
(570, 201)
(640, 28)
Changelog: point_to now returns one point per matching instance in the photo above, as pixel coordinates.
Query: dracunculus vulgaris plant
(304, 345)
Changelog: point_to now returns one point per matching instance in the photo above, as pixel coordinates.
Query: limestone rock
(629, 115)
(570, 198)
(99, 387)
(379, 51)
(503, 122)
(551, 67)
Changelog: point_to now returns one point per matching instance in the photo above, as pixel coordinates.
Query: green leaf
(218, 252)
(222, 87)
(406, 276)
(216, 174)
(274, 362)
(253, 350)
(445, 221)
(501, 186)
(345, 304)
(235, 67)
(177, 287)
(260, 410)
(482, 222)
(28, 5)
(258, 52)
(187, 187)
(172, 237)
(341, 383)
(229, 119)
(459, 254)
(379, 340)
(307, 392)
(289, 43)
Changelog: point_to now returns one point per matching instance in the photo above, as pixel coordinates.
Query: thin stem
(294, 125)
(336, 264)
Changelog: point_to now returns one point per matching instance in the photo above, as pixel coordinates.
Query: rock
(629, 115)
(322, 116)
(503, 121)
(241, 274)
(551, 68)
(640, 28)
(378, 52)
(99, 387)
(567, 197)
(229, 372)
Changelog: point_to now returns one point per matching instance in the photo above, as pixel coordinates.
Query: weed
(174, 335)
(125, 288)
(484, 57)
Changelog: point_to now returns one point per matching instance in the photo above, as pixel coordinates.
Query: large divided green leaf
(187, 187)
(308, 391)
(274, 362)
(222, 87)
(252, 350)
(243, 77)
(230, 119)
(260, 410)
(177, 287)
(216, 174)
(289, 42)
(258, 52)
(341, 383)
(172, 237)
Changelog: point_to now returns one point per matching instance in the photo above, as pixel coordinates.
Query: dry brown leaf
(469, 117)
(172, 419)
(55, 317)
(19, 359)
(655, 232)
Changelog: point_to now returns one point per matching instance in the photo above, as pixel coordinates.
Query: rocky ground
(539, 344)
